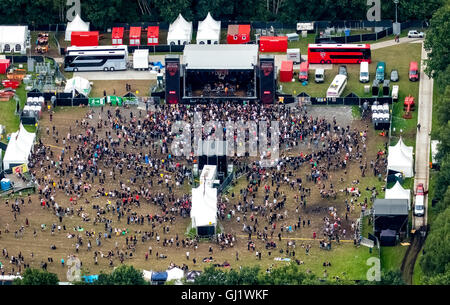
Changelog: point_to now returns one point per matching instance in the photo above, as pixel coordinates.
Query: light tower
(396, 25)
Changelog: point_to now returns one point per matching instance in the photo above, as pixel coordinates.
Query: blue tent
(159, 276)
(90, 278)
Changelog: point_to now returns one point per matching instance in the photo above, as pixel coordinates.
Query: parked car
(419, 189)
(419, 205)
(413, 71)
(343, 70)
(394, 75)
(415, 34)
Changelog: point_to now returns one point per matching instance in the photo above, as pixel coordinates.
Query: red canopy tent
(117, 36)
(4, 65)
(152, 35)
(84, 39)
(135, 36)
(286, 71)
(238, 33)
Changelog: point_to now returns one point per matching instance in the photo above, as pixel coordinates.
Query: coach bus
(338, 53)
(97, 58)
(337, 86)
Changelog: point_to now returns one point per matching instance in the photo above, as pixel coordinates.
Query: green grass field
(391, 257)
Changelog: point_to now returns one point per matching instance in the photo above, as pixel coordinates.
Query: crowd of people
(112, 163)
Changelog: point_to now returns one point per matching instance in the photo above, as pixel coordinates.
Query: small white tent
(13, 39)
(400, 159)
(208, 31)
(180, 32)
(398, 192)
(204, 209)
(79, 84)
(19, 148)
(77, 25)
(176, 274)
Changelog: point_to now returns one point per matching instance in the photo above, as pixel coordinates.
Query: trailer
(273, 44)
(84, 39)
(294, 55)
(140, 59)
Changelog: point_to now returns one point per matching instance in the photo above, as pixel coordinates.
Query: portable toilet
(117, 36)
(135, 36)
(395, 93)
(375, 87)
(386, 87)
(153, 35)
(5, 184)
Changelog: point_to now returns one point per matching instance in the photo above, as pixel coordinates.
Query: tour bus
(337, 86)
(413, 71)
(327, 53)
(364, 72)
(97, 58)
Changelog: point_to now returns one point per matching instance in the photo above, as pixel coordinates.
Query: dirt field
(141, 86)
(315, 210)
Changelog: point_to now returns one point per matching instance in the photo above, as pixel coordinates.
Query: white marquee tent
(176, 274)
(79, 84)
(76, 25)
(400, 159)
(13, 39)
(398, 192)
(204, 206)
(208, 31)
(180, 32)
(19, 148)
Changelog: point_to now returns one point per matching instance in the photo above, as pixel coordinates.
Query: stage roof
(221, 57)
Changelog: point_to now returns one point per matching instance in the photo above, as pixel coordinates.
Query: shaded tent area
(159, 278)
(398, 192)
(390, 214)
(79, 84)
(130, 99)
(208, 31)
(191, 275)
(76, 25)
(175, 274)
(19, 148)
(204, 210)
(13, 39)
(400, 159)
(180, 32)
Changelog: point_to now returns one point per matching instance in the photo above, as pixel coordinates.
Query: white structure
(208, 175)
(79, 84)
(19, 148)
(180, 32)
(77, 25)
(398, 192)
(204, 209)
(176, 274)
(14, 39)
(140, 59)
(400, 159)
(208, 31)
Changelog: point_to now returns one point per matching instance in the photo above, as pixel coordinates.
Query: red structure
(408, 107)
(135, 36)
(338, 53)
(13, 84)
(273, 43)
(238, 33)
(152, 35)
(117, 36)
(4, 65)
(84, 39)
(286, 71)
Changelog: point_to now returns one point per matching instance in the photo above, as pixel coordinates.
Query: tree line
(435, 261)
(104, 13)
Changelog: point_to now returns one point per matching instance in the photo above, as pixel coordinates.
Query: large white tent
(19, 148)
(176, 274)
(204, 206)
(13, 39)
(400, 159)
(398, 192)
(208, 31)
(79, 84)
(180, 32)
(76, 25)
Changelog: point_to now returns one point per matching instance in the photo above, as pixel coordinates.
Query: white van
(337, 86)
(419, 207)
(319, 76)
(364, 72)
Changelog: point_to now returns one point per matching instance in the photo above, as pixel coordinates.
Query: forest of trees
(104, 13)
(435, 262)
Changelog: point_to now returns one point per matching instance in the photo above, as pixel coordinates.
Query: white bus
(337, 86)
(98, 58)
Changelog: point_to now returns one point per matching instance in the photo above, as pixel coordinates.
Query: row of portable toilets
(380, 113)
(34, 107)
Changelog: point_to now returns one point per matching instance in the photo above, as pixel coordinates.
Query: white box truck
(319, 76)
(294, 55)
(140, 59)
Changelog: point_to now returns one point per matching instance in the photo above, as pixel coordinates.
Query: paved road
(423, 138)
(388, 43)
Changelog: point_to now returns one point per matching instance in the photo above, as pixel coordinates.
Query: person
(418, 127)
(187, 255)
(62, 262)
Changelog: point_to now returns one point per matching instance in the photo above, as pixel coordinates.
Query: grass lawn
(418, 273)
(391, 257)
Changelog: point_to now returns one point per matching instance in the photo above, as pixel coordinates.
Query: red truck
(303, 74)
